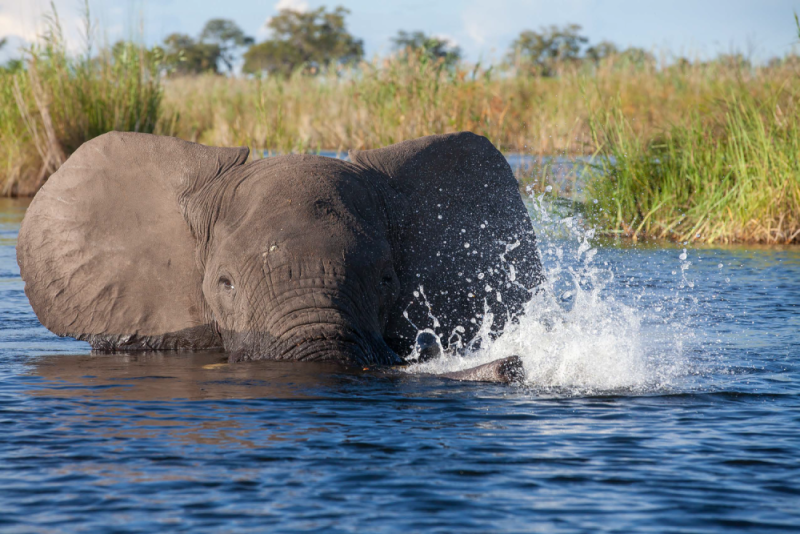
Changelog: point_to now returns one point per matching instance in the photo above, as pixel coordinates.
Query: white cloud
(9, 27)
(25, 22)
(301, 6)
(485, 21)
(496, 22)
(294, 5)
(448, 39)
(474, 31)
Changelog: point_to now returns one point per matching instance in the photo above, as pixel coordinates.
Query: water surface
(663, 396)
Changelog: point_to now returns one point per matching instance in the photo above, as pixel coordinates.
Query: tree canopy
(601, 50)
(227, 36)
(433, 47)
(184, 55)
(214, 48)
(313, 40)
(542, 51)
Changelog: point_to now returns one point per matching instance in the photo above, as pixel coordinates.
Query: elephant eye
(387, 280)
(226, 283)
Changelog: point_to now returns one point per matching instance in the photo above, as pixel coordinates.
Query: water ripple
(709, 441)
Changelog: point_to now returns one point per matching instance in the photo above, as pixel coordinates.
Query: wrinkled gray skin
(153, 243)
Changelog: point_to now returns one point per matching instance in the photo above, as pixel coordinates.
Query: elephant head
(149, 242)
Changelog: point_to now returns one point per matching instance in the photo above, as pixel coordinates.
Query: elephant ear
(105, 250)
(466, 239)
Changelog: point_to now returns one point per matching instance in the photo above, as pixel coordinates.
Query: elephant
(147, 242)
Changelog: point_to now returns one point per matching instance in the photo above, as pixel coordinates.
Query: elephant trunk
(315, 326)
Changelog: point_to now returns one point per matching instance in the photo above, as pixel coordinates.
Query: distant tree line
(543, 52)
(318, 40)
(214, 50)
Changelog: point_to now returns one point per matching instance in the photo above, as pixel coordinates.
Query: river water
(663, 395)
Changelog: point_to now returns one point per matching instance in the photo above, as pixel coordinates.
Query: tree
(12, 65)
(543, 51)
(123, 52)
(227, 36)
(435, 48)
(631, 57)
(601, 50)
(314, 40)
(184, 55)
(736, 61)
(637, 57)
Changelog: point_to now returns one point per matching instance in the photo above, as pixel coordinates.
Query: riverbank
(703, 151)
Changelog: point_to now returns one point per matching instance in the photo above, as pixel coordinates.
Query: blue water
(663, 396)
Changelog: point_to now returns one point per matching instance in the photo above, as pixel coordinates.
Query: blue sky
(483, 28)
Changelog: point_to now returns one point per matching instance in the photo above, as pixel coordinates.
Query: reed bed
(725, 174)
(387, 101)
(58, 101)
(683, 151)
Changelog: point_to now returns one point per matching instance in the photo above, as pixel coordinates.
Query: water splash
(576, 335)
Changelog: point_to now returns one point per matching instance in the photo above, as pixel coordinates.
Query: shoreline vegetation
(690, 151)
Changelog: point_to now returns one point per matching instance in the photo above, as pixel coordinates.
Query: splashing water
(576, 335)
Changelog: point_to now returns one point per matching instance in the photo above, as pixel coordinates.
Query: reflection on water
(664, 397)
(165, 376)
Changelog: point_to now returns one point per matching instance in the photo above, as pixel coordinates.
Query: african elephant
(148, 242)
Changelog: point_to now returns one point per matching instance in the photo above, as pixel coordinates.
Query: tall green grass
(728, 173)
(60, 100)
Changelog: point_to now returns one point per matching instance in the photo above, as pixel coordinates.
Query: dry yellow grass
(700, 151)
(388, 101)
